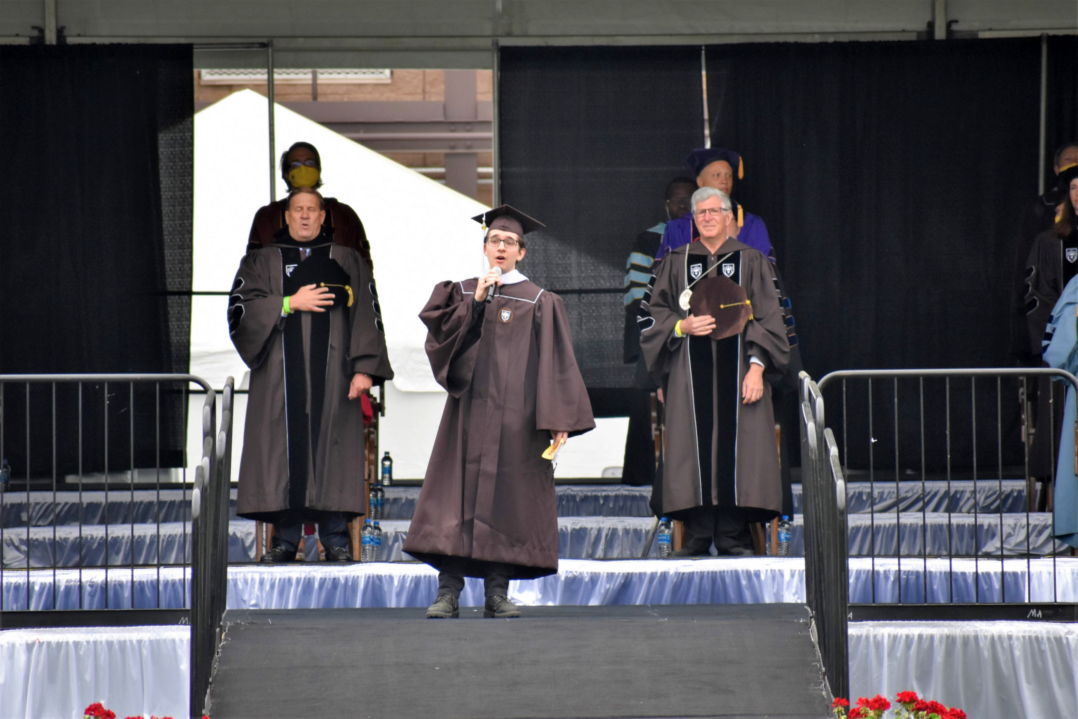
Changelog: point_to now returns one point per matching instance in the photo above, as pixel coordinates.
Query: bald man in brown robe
(488, 508)
(720, 465)
(304, 316)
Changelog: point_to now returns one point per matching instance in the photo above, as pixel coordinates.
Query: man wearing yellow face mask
(301, 166)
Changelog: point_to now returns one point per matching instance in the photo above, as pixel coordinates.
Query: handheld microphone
(490, 290)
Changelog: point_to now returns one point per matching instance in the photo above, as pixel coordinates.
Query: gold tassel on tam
(740, 216)
(740, 168)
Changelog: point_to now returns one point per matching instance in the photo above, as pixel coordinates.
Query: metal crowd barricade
(974, 548)
(74, 544)
(826, 575)
(209, 561)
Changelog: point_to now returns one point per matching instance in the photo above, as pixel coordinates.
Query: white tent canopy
(420, 234)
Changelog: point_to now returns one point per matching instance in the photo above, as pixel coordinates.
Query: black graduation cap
(701, 157)
(322, 272)
(510, 219)
(726, 301)
(1063, 179)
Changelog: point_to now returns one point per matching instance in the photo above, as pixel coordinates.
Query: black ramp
(626, 661)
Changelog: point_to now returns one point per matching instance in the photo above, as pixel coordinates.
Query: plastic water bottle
(378, 500)
(5, 475)
(372, 507)
(367, 537)
(767, 539)
(387, 470)
(377, 543)
(664, 536)
(785, 533)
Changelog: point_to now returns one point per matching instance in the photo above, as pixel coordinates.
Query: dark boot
(445, 607)
(279, 555)
(500, 607)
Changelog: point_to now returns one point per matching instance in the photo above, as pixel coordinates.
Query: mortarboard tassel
(740, 216)
(740, 167)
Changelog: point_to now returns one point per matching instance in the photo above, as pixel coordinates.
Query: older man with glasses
(711, 325)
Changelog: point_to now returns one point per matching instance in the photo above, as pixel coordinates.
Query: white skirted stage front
(992, 670)
(578, 582)
(57, 673)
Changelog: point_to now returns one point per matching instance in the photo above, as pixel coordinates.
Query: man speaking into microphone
(500, 346)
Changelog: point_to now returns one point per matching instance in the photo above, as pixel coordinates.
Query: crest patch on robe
(696, 269)
(505, 316)
(728, 269)
(1072, 254)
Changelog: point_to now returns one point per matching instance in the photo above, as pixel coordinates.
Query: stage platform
(933, 496)
(942, 534)
(72, 546)
(748, 580)
(149, 506)
(658, 661)
(1031, 667)
(578, 538)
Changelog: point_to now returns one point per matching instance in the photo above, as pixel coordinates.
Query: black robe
(303, 445)
(718, 451)
(488, 495)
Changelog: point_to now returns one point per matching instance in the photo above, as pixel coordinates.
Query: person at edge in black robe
(1040, 215)
(304, 316)
(1053, 261)
(638, 467)
(719, 469)
(500, 346)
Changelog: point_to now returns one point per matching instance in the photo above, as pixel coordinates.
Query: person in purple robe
(714, 167)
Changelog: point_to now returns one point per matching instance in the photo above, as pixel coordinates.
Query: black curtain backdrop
(1061, 117)
(588, 139)
(892, 177)
(98, 146)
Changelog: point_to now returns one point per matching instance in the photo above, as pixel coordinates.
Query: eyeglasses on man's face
(509, 243)
(710, 211)
(309, 163)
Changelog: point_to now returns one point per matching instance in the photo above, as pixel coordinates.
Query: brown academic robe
(488, 495)
(1052, 262)
(347, 227)
(718, 451)
(335, 469)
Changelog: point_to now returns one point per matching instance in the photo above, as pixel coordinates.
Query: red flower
(858, 713)
(97, 709)
(907, 698)
(920, 706)
(878, 703)
(862, 701)
(957, 713)
(840, 702)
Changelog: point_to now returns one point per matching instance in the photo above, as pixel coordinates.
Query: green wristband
(287, 308)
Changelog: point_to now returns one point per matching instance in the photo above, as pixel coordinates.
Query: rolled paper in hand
(552, 451)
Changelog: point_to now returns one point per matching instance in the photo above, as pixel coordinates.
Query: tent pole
(703, 85)
(272, 131)
(496, 172)
(1044, 114)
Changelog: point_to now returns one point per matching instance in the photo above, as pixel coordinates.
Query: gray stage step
(581, 662)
